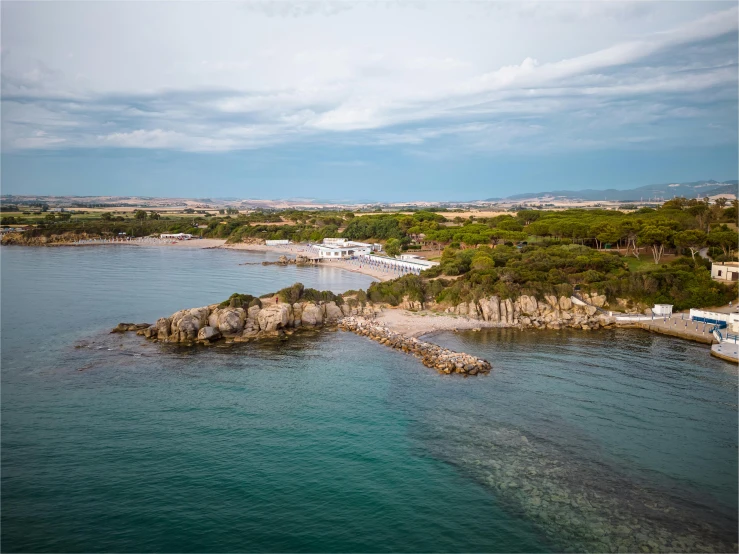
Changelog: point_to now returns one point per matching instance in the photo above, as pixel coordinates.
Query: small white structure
(725, 271)
(347, 243)
(277, 242)
(664, 310)
(710, 317)
(419, 260)
(734, 322)
(177, 236)
(335, 241)
(384, 263)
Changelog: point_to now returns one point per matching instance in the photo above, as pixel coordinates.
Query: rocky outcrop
(431, 355)
(311, 315)
(208, 324)
(332, 312)
(123, 327)
(527, 311)
(209, 333)
(284, 260)
(275, 317)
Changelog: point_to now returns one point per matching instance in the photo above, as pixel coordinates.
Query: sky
(365, 101)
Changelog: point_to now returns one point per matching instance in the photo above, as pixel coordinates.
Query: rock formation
(527, 311)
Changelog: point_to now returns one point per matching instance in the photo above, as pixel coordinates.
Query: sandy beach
(415, 324)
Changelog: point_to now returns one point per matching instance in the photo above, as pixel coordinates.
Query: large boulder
(503, 312)
(209, 333)
(598, 300)
(312, 315)
(187, 328)
(164, 328)
(529, 305)
(332, 311)
(565, 303)
(231, 320)
(490, 309)
(552, 300)
(253, 312)
(274, 317)
(175, 319)
(297, 314)
(201, 314)
(510, 314)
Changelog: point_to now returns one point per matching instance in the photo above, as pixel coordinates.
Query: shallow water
(333, 442)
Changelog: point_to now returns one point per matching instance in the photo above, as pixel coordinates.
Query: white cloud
(227, 76)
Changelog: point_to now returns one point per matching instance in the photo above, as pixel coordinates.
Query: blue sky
(365, 101)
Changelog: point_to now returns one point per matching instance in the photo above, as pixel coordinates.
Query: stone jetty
(431, 355)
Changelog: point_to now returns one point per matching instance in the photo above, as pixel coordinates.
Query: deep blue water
(581, 441)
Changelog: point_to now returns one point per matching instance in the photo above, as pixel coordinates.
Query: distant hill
(665, 191)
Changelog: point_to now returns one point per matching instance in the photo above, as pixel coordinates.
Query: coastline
(412, 324)
(295, 249)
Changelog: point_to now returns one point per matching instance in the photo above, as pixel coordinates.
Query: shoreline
(295, 249)
(399, 320)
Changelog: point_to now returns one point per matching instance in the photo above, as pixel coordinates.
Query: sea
(601, 441)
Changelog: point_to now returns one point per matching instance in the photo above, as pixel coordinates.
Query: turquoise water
(336, 443)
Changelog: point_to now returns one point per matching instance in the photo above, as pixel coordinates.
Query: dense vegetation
(558, 269)
(621, 254)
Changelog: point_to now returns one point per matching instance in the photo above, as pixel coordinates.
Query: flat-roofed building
(725, 271)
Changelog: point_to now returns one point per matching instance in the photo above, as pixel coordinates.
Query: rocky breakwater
(528, 312)
(285, 260)
(232, 323)
(431, 355)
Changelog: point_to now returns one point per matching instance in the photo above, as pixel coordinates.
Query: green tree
(656, 238)
(392, 247)
(724, 238)
(604, 232)
(140, 214)
(155, 215)
(692, 239)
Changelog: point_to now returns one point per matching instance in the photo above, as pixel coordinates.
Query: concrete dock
(678, 325)
(726, 351)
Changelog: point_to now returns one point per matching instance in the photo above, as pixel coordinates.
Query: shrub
(237, 300)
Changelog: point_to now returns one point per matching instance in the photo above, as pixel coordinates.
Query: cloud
(251, 77)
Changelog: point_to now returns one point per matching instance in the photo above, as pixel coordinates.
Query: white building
(177, 236)
(416, 259)
(277, 242)
(725, 271)
(396, 265)
(734, 322)
(337, 249)
(340, 250)
(664, 310)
